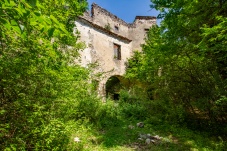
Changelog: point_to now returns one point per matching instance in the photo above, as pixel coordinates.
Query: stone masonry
(110, 41)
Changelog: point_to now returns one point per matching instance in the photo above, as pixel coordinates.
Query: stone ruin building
(110, 41)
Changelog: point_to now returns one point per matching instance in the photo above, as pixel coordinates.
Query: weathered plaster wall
(100, 41)
(103, 18)
(100, 49)
(138, 32)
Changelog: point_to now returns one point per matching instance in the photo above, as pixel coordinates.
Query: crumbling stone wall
(104, 18)
(138, 31)
(102, 31)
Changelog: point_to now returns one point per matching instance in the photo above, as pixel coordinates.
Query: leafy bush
(108, 114)
(184, 61)
(38, 76)
(132, 103)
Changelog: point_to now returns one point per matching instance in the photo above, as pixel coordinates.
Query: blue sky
(126, 9)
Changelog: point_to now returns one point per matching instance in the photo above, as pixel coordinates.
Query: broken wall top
(97, 13)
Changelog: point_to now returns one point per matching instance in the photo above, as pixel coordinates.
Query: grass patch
(118, 132)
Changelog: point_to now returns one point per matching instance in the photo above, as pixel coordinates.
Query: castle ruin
(110, 41)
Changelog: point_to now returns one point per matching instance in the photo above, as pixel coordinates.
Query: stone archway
(113, 86)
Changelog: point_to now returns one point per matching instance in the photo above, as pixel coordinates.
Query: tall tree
(184, 59)
(38, 76)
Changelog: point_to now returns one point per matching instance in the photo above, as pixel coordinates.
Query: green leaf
(26, 14)
(63, 29)
(4, 21)
(50, 32)
(26, 4)
(54, 19)
(39, 5)
(13, 22)
(7, 2)
(2, 111)
(1, 12)
(16, 29)
(33, 22)
(47, 20)
(37, 13)
(32, 2)
(12, 4)
(19, 11)
(24, 35)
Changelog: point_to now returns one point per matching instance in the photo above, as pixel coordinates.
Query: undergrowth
(114, 128)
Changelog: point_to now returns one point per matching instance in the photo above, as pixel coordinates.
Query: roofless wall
(101, 18)
(110, 41)
(104, 18)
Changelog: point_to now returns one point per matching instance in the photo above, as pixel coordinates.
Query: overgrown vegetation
(47, 102)
(39, 85)
(184, 61)
(107, 27)
(114, 127)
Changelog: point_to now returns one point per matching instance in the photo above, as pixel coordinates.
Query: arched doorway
(113, 87)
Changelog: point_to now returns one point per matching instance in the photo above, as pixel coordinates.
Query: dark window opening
(116, 96)
(146, 30)
(117, 51)
(116, 28)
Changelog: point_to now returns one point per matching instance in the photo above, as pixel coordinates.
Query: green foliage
(113, 129)
(107, 27)
(108, 115)
(133, 64)
(46, 100)
(184, 60)
(133, 104)
(38, 79)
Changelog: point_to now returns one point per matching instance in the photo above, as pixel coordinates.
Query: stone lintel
(145, 17)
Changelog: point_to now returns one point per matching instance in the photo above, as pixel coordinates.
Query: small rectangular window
(146, 30)
(116, 28)
(117, 51)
